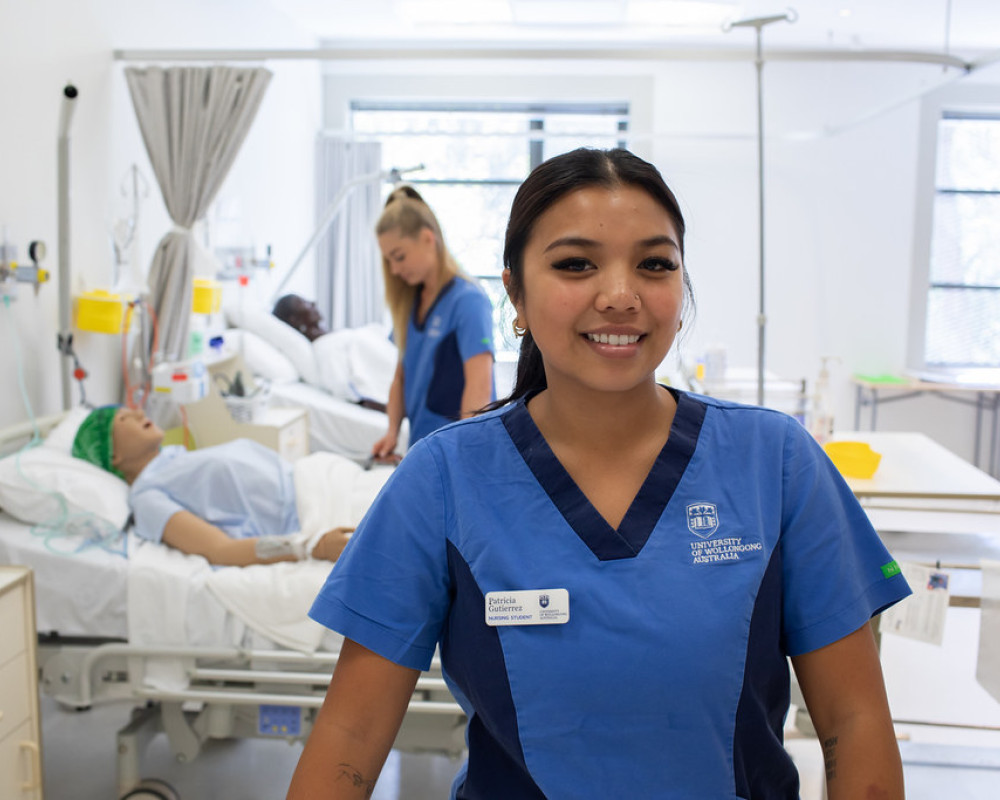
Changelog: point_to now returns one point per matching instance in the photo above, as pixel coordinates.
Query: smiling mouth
(613, 338)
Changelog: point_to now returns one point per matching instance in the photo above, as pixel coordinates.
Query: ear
(427, 238)
(505, 276)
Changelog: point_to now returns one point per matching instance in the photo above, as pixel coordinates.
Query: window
(962, 316)
(474, 157)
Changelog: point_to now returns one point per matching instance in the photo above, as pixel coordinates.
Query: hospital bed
(146, 626)
(326, 377)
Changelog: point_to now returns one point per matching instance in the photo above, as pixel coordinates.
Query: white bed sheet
(75, 595)
(87, 594)
(336, 425)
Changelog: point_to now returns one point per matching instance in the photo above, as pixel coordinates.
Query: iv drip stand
(758, 23)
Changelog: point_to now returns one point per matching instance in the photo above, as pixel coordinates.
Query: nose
(618, 291)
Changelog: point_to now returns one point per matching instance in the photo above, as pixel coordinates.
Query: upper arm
(190, 534)
(478, 372)
(842, 680)
(844, 692)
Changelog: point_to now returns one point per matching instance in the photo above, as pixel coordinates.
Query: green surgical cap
(93, 439)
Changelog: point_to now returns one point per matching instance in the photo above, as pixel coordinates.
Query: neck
(603, 421)
(134, 468)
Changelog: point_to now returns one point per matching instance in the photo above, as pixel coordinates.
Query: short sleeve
(837, 573)
(152, 508)
(389, 590)
(474, 324)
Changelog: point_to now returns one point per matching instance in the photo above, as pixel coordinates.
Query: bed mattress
(336, 425)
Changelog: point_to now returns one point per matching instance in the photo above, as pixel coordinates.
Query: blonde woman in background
(442, 324)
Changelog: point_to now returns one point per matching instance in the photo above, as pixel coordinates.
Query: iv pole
(758, 23)
(392, 175)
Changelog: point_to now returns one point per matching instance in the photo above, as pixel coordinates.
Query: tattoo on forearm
(830, 757)
(349, 773)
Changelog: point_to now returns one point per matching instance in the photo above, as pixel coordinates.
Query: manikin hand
(332, 544)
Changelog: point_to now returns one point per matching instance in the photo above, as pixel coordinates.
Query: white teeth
(613, 338)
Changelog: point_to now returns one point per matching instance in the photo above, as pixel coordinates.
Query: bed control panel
(279, 720)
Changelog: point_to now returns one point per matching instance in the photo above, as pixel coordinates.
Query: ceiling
(966, 28)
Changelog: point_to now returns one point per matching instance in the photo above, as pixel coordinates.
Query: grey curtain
(193, 122)
(348, 272)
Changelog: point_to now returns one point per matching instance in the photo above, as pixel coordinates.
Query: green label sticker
(890, 569)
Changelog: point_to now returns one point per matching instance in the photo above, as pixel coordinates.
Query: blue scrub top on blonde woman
(458, 326)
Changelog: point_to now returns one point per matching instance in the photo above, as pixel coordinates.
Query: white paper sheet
(922, 615)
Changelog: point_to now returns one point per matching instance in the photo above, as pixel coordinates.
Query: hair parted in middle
(406, 213)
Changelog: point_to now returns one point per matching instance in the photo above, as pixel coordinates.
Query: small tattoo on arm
(830, 757)
(349, 773)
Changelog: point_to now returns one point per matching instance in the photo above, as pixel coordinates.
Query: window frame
(536, 112)
(953, 102)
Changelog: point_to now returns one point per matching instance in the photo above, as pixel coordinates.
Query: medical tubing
(129, 388)
(64, 523)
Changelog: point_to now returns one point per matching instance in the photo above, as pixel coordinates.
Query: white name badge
(528, 607)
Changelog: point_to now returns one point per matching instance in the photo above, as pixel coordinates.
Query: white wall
(839, 207)
(44, 46)
(841, 165)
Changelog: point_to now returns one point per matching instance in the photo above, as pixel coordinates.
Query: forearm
(862, 760)
(355, 727)
(395, 409)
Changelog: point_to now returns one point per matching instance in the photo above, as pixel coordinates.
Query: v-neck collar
(604, 541)
(417, 322)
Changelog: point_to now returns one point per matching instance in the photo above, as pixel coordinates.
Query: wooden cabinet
(20, 725)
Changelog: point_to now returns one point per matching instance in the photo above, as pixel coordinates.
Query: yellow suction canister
(100, 311)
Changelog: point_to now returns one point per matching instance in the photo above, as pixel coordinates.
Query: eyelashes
(652, 264)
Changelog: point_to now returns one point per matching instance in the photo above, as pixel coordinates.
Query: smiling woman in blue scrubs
(615, 571)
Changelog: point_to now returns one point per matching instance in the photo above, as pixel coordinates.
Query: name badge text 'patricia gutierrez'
(527, 607)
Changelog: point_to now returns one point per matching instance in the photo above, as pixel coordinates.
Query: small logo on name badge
(543, 600)
(703, 519)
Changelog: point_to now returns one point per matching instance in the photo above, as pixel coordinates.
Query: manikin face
(412, 259)
(133, 434)
(602, 288)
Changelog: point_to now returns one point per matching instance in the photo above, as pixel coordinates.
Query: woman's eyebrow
(656, 241)
(570, 241)
(581, 241)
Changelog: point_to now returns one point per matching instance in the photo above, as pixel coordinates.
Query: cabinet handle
(36, 766)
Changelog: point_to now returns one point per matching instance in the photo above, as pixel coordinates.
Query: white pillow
(62, 435)
(289, 341)
(30, 479)
(262, 359)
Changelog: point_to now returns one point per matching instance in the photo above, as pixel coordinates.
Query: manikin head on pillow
(118, 439)
(301, 314)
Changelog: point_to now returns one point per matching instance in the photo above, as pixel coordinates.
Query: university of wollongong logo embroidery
(703, 519)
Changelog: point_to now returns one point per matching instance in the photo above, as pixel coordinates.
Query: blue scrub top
(458, 326)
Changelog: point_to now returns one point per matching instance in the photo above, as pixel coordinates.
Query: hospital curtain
(348, 271)
(193, 121)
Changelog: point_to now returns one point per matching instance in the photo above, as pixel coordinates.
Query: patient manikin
(233, 503)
